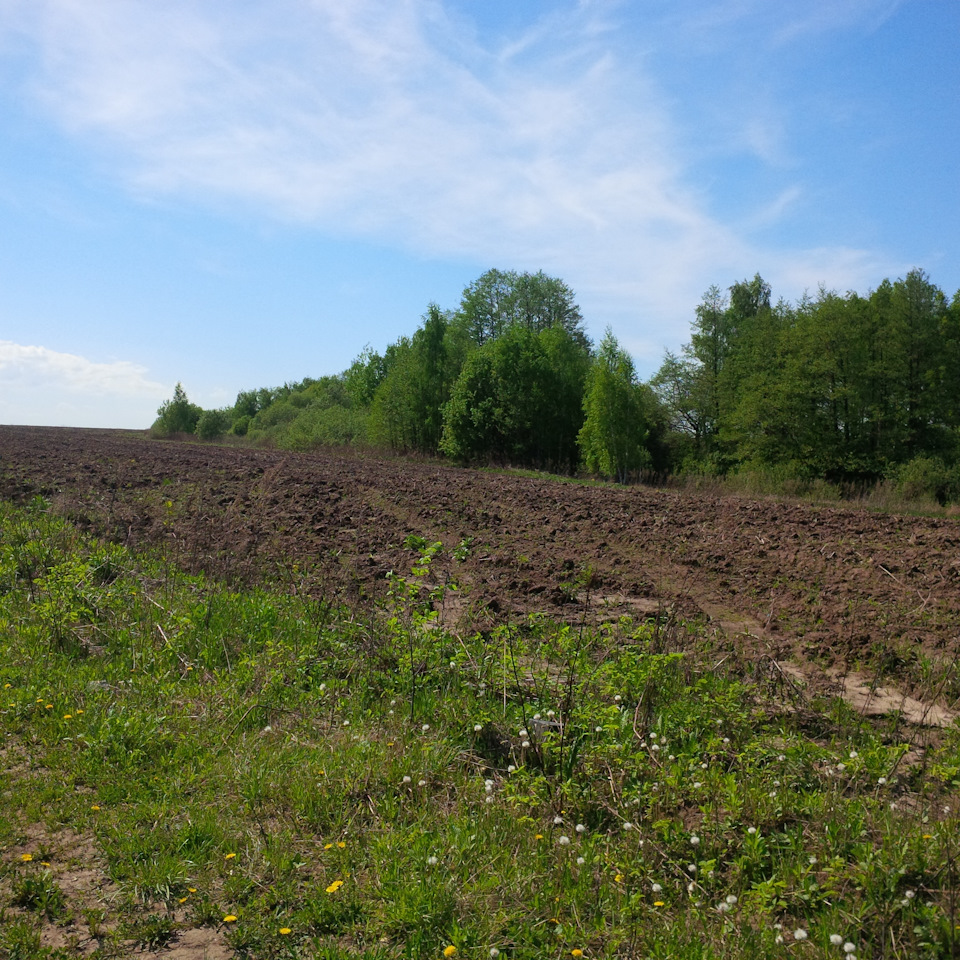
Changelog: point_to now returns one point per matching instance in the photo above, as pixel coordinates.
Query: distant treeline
(845, 388)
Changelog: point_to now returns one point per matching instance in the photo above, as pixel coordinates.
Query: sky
(235, 194)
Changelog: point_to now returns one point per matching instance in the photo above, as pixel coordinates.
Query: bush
(927, 478)
(212, 424)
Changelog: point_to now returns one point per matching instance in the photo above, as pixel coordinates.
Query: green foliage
(311, 780)
(612, 439)
(213, 424)
(517, 400)
(176, 415)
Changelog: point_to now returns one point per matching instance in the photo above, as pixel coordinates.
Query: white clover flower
(909, 894)
(617, 698)
(511, 769)
(390, 712)
(799, 934)
(841, 767)
(782, 757)
(563, 841)
(425, 727)
(488, 787)
(656, 747)
(525, 745)
(671, 757)
(703, 766)
(751, 830)
(691, 886)
(523, 733)
(453, 664)
(598, 729)
(881, 780)
(778, 938)
(421, 783)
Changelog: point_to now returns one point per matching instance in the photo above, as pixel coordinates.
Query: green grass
(363, 783)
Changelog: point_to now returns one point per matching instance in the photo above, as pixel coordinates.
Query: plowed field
(802, 584)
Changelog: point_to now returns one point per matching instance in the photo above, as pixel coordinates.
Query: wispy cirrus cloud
(387, 120)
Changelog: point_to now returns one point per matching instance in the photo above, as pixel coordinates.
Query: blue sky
(239, 193)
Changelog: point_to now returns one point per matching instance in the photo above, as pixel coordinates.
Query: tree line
(845, 388)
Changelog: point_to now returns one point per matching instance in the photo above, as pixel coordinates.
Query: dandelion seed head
(432, 861)
(656, 888)
(849, 947)
(425, 727)
(628, 826)
(580, 828)
(557, 820)
(421, 783)
(694, 841)
(836, 939)
(581, 861)
(563, 841)
(799, 934)
(477, 727)
(406, 780)
(525, 745)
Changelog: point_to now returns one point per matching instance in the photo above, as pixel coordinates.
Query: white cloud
(386, 119)
(43, 386)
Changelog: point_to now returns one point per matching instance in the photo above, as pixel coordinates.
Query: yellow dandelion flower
(229, 856)
(49, 706)
(449, 951)
(68, 716)
(618, 878)
(6, 686)
(341, 844)
(79, 712)
(95, 807)
(928, 836)
(576, 952)
(182, 900)
(26, 857)
(229, 918)
(285, 931)
(335, 886)
(658, 903)
(191, 889)
(539, 836)
(44, 863)
(328, 846)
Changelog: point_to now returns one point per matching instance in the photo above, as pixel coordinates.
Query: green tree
(177, 415)
(612, 439)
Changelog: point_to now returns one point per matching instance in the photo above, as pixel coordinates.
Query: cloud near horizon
(393, 121)
(52, 387)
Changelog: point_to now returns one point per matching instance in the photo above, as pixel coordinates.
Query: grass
(302, 780)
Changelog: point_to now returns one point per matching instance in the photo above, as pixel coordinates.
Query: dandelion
(691, 868)
(617, 698)
(425, 728)
(191, 889)
(449, 951)
(494, 953)
(229, 856)
(341, 844)
(525, 745)
(511, 769)
(557, 821)
(68, 716)
(538, 836)
(285, 931)
(523, 733)
(849, 947)
(182, 900)
(799, 934)
(406, 780)
(550, 714)
(564, 841)
(657, 888)
(581, 861)
(95, 807)
(477, 727)
(658, 903)
(628, 826)
(230, 918)
(576, 952)
(881, 780)
(335, 886)
(26, 857)
(694, 841)
(580, 828)
(432, 861)
(751, 830)
(836, 939)
(618, 878)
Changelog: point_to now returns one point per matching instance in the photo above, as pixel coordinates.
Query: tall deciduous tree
(614, 431)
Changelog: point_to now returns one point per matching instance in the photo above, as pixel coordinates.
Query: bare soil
(835, 596)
